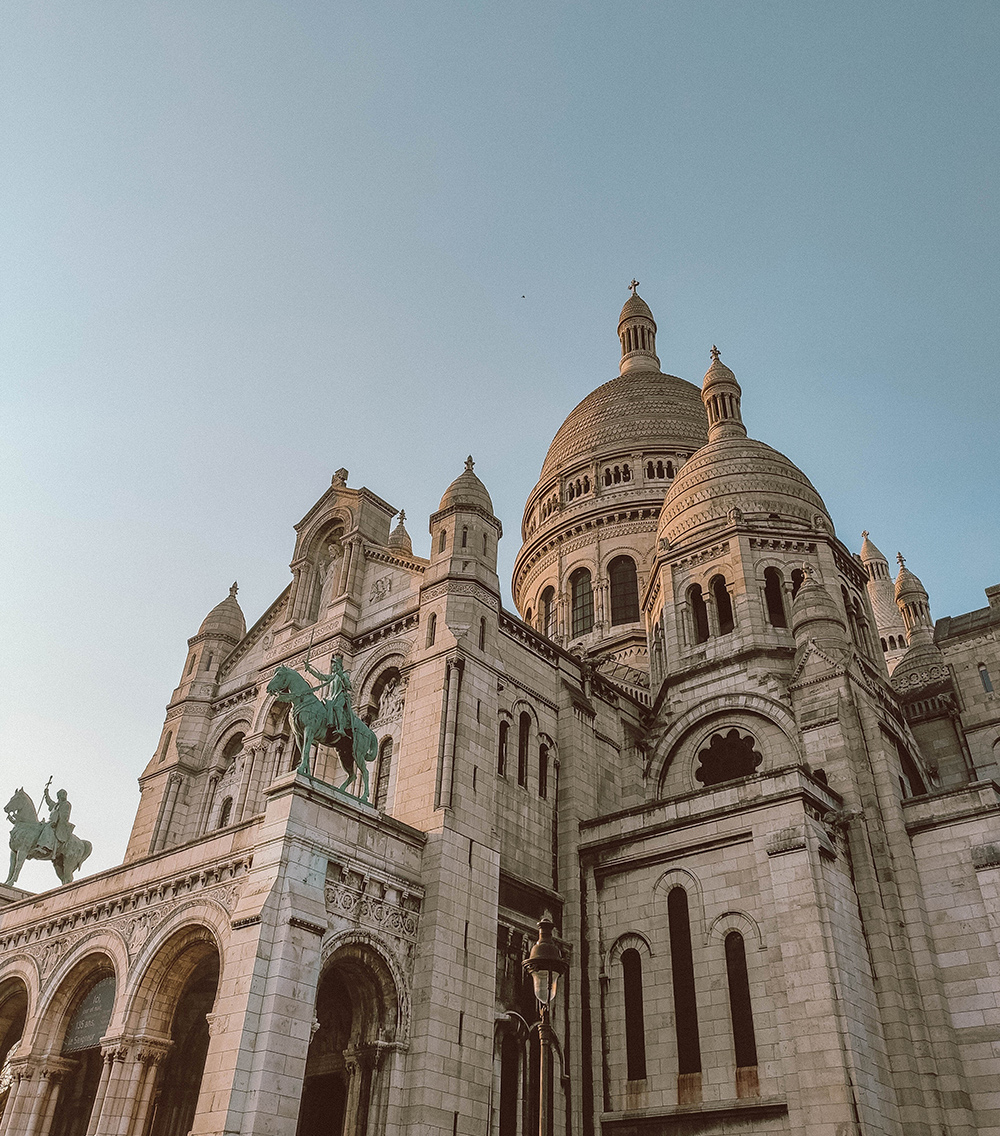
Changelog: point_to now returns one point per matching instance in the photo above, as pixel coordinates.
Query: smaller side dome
(814, 612)
(225, 620)
(399, 538)
(466, 490)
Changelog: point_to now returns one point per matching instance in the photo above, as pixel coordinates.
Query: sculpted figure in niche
(390, 704)
(727, 758)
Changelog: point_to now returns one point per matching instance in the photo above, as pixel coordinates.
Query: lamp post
(545, 963)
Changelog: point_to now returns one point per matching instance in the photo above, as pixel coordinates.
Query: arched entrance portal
(13, 1012)
(180, 1080)
(346, 1081)
(88, 1022)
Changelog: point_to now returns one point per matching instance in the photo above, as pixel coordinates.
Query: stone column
(22, 1082)
(147, 1055)
(207, 803)
(162, 829)
(249, 768)
(362, 1063)
(102, 1090)
(454, 679)
(43, 1102)
(105, 1111)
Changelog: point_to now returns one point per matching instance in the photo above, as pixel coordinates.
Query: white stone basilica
(753, 781)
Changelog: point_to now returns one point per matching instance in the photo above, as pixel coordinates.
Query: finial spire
(715, 354)
(402, 515)
(864, 534)
(900, 559)
(469, 463)
(634, 285)
(233, 590)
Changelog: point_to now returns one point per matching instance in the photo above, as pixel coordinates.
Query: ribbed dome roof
(637, 410)
(737, 473)
(399, 537)
(467, 489)
(225, 619)
(635, 305)
(869, 550)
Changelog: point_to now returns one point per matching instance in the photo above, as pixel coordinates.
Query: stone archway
(344, 1092)
(13, 1014)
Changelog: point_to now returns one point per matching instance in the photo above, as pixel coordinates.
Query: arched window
(442, 539)
(482, 634)
(649, 470)
(699, 613)
(527, 617)
(892, 644)
(523, 734)
(510, 1082)
(232, 750)
(486, 546)
(582, 602)
(432, 629)
(607, 477)
(741, 1012)
(624, 590)
(670, 469)
(165, 746)
(797, 577)
(682, 975)
(723, 605)
(465, 536)
(984, 678)
(773, 598)
(586, 485)
(543, 770)
(382, 780)
(225, 812)
(626, 473)
(635, 1033)
(502, 748)
(548, 611)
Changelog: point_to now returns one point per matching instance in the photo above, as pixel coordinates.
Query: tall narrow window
(699, 613)
(543, 771)
(624, 590)
(486, 546)
(502, 748)
(741, 1013)
(582, 602)
(773, 598)
(682, 973)
(465, 536)
(797, 577)
(723, 605)
(225, 812)
(635, 1033)
(432, 629)
(548, 605)
(382, 780)
(523, 734)
(166, 745)
(482, 634)
(984, 678)
(441, 540)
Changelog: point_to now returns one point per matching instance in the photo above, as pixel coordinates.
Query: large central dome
(639, 410)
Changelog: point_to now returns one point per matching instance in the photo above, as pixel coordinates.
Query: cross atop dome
(634, 285)
(469, 463)
(715, 353)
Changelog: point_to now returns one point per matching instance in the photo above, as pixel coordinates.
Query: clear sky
(246, 243)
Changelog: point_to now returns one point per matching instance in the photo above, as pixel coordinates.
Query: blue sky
(245, 244)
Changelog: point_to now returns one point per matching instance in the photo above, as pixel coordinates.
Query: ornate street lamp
(545, 963)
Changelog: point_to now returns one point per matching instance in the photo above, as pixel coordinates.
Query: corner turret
(637, 333)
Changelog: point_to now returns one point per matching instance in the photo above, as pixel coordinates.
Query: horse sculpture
(26, 841)
(356, 747)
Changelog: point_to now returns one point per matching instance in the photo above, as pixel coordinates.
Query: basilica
(751, 780)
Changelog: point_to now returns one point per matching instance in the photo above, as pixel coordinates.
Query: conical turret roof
(467, 489)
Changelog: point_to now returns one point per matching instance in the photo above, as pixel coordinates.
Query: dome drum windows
(624, 591)
(659, 470)
(774, 600)
(547, 612)
(578, 488)
(582, 602)
(616, 474)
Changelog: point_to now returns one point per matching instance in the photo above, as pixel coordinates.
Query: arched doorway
(345, 1088)
(13, 1013)
(87, 1023)
(179, 1082)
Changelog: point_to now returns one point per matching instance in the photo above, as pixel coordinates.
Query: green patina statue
(322, 714)
(34, 839)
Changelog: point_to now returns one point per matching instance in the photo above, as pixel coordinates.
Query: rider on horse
(334, 692)
(57, 831)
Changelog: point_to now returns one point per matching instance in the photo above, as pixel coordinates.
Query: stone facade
(751, 779)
